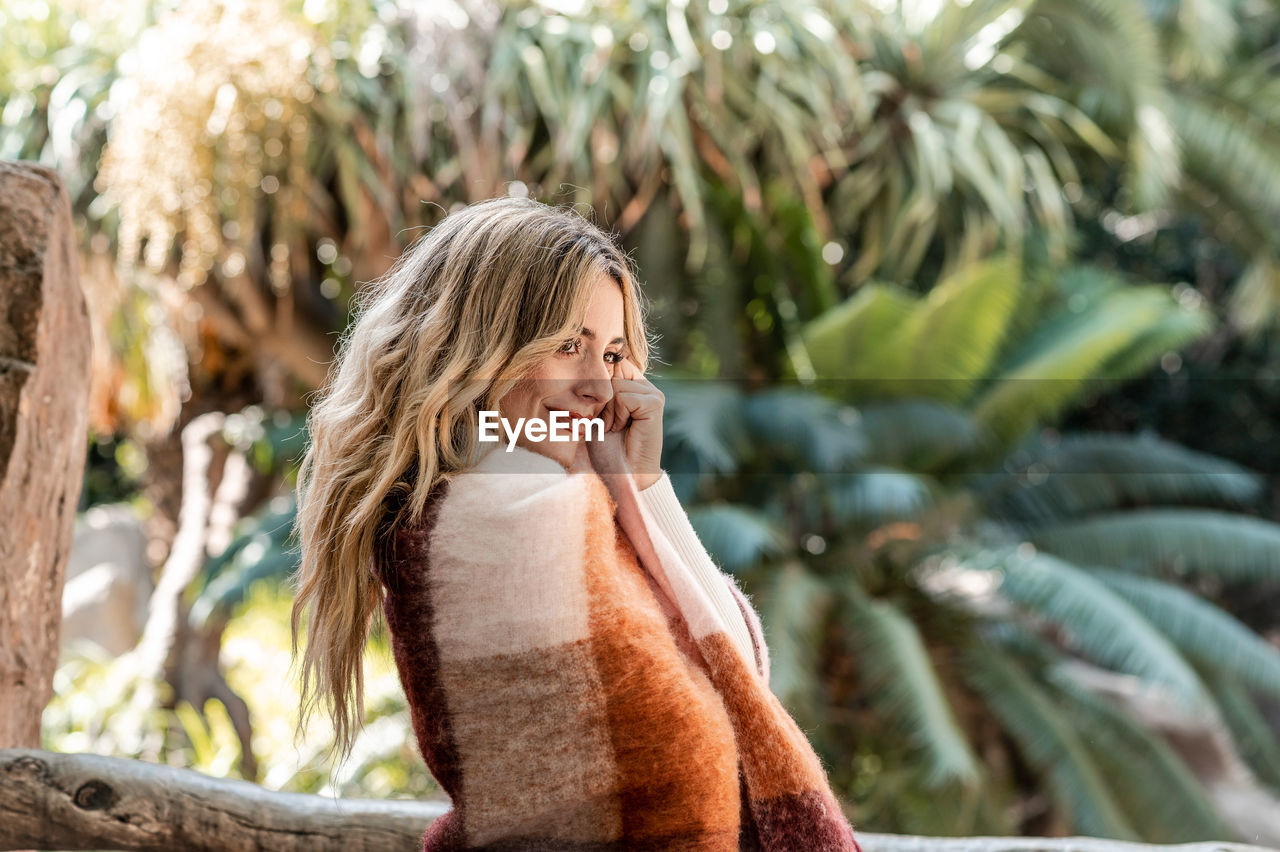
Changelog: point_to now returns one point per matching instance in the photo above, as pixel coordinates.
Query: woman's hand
(636, 410)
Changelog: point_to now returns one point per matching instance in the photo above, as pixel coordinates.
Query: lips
(573, 415)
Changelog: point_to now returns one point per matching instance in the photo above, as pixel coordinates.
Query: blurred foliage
(926, 560)
(111, 471)
(863, 140)
(90, 712)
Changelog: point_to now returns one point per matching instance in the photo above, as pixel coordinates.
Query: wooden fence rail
(85, 801)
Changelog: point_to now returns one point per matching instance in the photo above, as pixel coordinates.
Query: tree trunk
(44, 410)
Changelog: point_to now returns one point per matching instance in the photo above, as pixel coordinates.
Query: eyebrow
(591, 335)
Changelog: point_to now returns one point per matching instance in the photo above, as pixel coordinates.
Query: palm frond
(262, 547)
(1076, 474)
(1160, 794)
(1228, 144)
(704, 418)
(1048, 742)
(1199, 37)
(842, 341)
(1176, 329)
(1236, 548)
(1096, 622)
(875, 495)
(917, 434)
(794, 606)
(953, 34)
(821, 435)
(737, 537)
(232, 585)
(936, 347)
(902, 680)
(1199, 628)
(266, 529)
(1067, 357)
(949, 341)
(1124, 87)
(1253, 734)
(1253, 305)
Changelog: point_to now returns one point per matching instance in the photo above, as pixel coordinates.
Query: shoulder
(503, 500)
(507, 557)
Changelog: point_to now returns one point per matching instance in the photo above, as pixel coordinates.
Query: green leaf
(1160, 794)
(1199, 628)
(1066, 358)
(903, 683)
(706, 418)
(1253, 734)
(799, 424)
(1075, 474)
(793, 609)
(1097, 622)
(737, 537)
(950, 339)
(842, 340)
(875, 495)
(1049, 742)
(1174, 330)
(1237, 548)
(917, 434)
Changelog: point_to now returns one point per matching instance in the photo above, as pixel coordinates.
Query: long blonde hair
(462, 315)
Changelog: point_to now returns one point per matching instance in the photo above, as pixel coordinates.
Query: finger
(636, 408)
(633, 386)
(617, 415)
(627, 369)
(640, 400)
(638, 394)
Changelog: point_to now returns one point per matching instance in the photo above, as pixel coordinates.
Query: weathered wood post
(88, 801)
(44, 397)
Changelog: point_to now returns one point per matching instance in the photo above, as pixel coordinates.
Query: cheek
(552, 378)
(520, 398)
(525, 399)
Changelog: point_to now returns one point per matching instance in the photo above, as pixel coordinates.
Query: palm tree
(888, 141)
(927, 558)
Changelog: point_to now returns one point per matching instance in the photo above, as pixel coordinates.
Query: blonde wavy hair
(464, 313)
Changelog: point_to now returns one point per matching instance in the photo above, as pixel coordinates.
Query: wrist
(644, 480)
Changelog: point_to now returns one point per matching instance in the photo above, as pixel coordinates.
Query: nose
(595, 383)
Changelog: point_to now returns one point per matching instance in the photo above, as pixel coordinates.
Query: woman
(580, 675)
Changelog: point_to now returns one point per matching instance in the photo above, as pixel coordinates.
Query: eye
(615, 357)
(570, 347)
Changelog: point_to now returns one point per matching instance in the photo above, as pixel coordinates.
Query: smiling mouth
(573, 415)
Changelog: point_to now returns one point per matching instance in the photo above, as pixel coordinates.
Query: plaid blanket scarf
(574, 686)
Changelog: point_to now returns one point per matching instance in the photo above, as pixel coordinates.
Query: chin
(565, 453)
(561, 453)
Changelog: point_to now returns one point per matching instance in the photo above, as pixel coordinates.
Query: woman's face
(577, 379)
